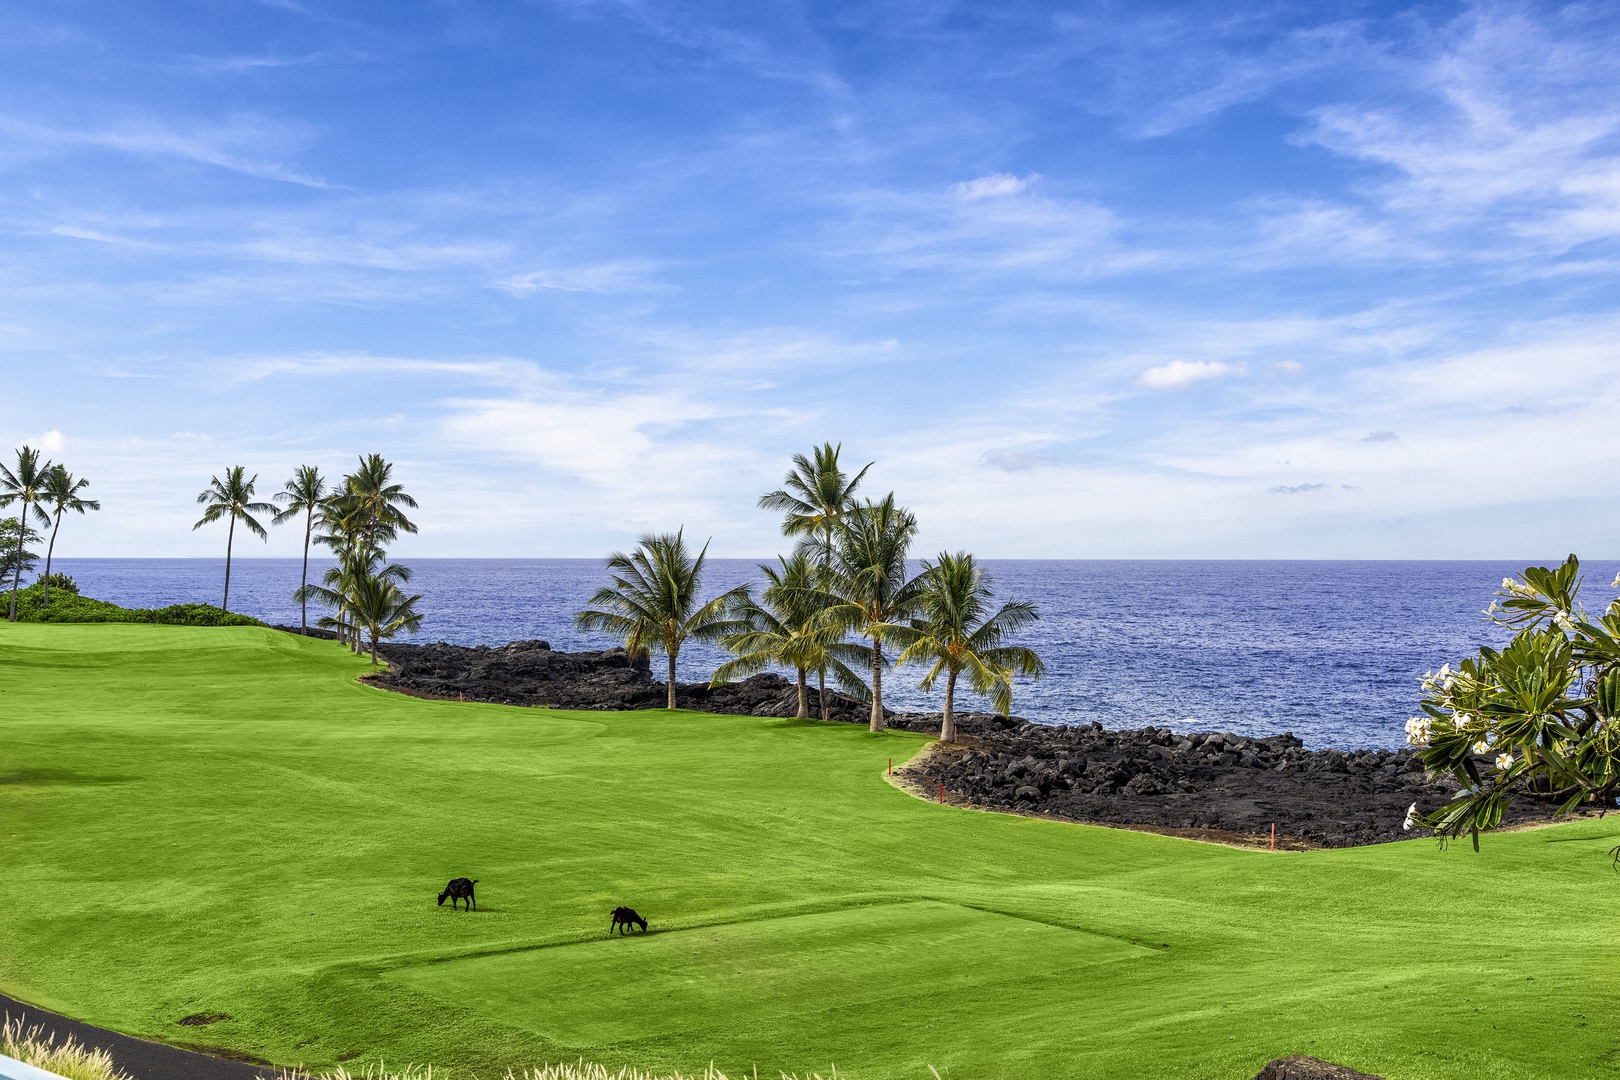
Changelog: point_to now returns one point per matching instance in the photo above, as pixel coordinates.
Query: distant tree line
(355, 519)
(845, 603)
(44, 491)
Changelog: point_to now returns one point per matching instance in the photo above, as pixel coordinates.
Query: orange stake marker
(1273, 836)
(942, 793)
(891, 766)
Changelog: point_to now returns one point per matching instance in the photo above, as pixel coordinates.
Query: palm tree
(379, 608)
(868, 579)
(785, 626)
(232, 498)
(62, 494)
(377, 499)
(27, 486)
(814, 497)
(955, 630)
(355, 521)
(303, 494)
(653, 602)
(342, 584)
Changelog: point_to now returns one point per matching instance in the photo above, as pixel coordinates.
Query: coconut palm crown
(28, 486)
(786, 628)
(232, 498)
(652, 602)
(62, 495)
(955, 630)
(377, 499)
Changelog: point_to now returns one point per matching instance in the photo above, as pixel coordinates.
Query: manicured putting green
(750, 973)
(225, 823)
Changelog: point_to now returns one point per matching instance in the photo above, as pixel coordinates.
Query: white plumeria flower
(1481, 747)
(1615, 584)
(1411, 817)
(1504, 762)
(1417, 731)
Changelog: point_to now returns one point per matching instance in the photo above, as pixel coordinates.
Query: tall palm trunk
(49, 551)
(947, 726)
(230, 538)
(672, 653)
(877, 684)
(303, 600)
(16, 572)
(804, 697)
(821, 672)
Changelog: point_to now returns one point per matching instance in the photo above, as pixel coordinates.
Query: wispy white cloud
(996, 184)
(1512, 125)
(993, 224)
(1020, 460)
(240, 146)
(1178, 373)
(602, 278)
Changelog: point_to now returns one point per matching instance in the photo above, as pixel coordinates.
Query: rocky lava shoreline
(531, 673)
(1211, 785)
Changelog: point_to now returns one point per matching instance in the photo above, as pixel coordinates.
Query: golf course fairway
(223, 824)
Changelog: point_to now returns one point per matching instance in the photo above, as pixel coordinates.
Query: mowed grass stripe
(223, 820)
(743, 974)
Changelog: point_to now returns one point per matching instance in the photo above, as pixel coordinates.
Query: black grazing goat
(624, 917)
(460, 889)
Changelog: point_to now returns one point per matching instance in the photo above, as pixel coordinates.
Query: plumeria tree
(1539, 717)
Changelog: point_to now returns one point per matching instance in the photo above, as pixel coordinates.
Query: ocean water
(1331, 651)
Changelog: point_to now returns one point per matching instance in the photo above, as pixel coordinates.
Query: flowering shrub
(1542, 715)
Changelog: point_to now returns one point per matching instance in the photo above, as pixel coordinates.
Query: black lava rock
(1192, 781)
(531, 673)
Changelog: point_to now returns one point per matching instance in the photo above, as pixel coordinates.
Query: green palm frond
(651, 601)
(29, 484)
(955, 632)
(233, 498)
(302, 494)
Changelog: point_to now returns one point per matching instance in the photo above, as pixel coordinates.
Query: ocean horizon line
(1517, 560)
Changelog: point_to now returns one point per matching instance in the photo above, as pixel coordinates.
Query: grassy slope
(197, 820)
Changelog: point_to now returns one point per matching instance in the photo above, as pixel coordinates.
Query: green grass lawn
(198, 820)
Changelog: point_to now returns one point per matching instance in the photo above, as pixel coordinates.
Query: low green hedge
(68, 606)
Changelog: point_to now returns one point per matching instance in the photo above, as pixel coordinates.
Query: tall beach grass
(32, 1046)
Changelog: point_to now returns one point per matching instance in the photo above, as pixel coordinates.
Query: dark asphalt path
(140, 1059)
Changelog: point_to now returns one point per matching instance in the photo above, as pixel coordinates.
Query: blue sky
(1085, 280)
